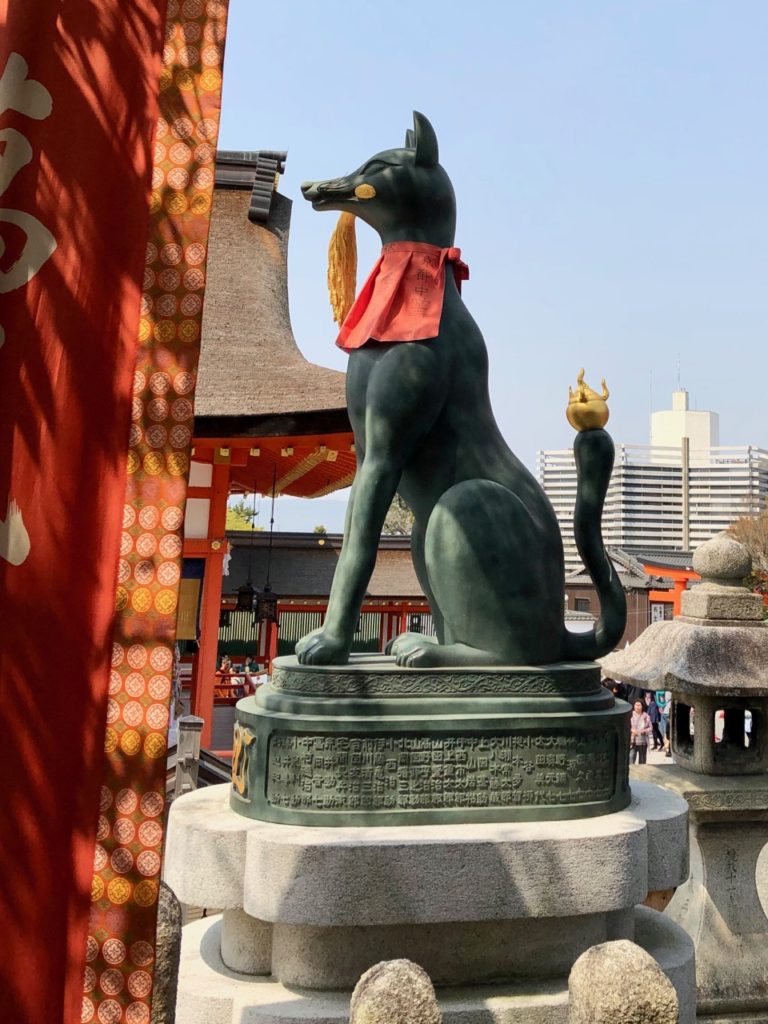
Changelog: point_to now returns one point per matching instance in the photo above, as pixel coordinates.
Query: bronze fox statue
(486, 544)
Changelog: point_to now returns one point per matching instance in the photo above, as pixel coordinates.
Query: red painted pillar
(680, 588)
(271, 643)
(388, 628)
(210, 605)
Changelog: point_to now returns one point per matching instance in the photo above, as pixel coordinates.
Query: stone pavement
(657, 757)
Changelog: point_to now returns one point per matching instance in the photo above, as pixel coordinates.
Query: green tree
(243, 511)
(752, 532)
(240, 516)
(399, 519)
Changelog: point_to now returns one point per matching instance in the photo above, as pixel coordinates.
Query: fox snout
(336, 188)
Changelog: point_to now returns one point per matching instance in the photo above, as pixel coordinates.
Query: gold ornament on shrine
(587, 410)
(243, 738)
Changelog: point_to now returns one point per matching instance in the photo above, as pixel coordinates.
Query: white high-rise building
(670, 426)
(671, 495)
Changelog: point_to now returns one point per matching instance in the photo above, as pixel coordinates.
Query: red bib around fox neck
(402, 300)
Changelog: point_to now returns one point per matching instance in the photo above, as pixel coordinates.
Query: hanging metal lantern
(245, 598)
(246, 595)
(266, 599)
(266, 605)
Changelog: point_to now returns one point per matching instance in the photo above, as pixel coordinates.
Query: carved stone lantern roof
(714, 659)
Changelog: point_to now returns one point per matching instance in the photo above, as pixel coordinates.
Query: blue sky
(611, 169)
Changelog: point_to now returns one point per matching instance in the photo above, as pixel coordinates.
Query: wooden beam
(342, 441)
(301, 468)
(345, 481)
(324, 421)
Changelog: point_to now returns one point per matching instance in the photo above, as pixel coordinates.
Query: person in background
(223, 674)
(237, 681)
(655, 716)
(248, 685)
(618, 690)
(634, 693)
(640, 730)
(664, 700)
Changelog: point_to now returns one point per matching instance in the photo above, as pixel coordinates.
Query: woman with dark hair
(655, 716)
(640, 726)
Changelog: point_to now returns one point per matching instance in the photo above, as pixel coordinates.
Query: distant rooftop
(631, 572)
(303, 565)
(662, 559)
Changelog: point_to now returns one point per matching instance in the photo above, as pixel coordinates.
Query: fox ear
(425, 141)
(410, 139)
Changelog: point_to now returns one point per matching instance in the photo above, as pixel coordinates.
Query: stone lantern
(714, 660)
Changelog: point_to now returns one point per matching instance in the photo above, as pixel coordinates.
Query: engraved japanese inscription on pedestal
(371, 773)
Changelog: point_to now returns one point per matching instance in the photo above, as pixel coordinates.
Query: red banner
(78, 105)
(79, 86)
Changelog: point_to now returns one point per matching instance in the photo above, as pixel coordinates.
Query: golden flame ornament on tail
(593, 451)
(587, 410)
(342, 267)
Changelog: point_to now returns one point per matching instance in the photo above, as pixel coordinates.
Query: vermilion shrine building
(301, 571)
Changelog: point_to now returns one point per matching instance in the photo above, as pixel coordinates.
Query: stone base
(374, 744)
(428, 874)
(211, 993)
(505, 908)
(758, 1017)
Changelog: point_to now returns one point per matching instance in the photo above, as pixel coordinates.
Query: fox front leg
(395, 394)
(372, 494)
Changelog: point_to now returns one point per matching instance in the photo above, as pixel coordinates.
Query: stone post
(619, 983)
(188, 754)
(167, 953)
(395, 992)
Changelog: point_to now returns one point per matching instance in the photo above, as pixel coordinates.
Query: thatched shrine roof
(253, 381)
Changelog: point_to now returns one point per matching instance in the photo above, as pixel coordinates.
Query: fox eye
(374, 167)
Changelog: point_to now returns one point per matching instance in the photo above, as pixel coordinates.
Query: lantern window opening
(684, 728)
(737, 732)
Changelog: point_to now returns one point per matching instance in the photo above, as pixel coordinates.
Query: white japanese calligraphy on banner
(31, 99)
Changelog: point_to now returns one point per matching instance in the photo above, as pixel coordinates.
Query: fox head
(404, 194)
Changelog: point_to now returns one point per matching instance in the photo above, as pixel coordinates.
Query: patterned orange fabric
(120, 951)
(402, 300)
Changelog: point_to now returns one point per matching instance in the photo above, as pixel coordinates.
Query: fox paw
(318, 648)
(412, 650)
(405, 641)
